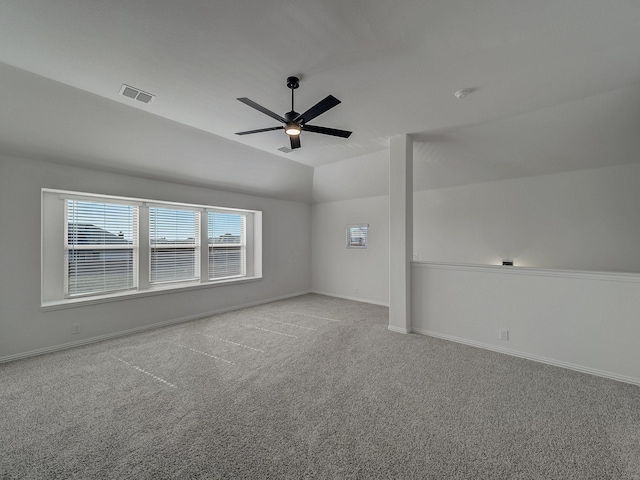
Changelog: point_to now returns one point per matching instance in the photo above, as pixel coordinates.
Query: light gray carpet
(311, 387)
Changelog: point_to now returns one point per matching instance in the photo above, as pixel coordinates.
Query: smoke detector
(460, 94)
(136, 94)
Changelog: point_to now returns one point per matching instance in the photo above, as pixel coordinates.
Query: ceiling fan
(293, 122)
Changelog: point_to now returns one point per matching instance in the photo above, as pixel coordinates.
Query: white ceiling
(556, 85)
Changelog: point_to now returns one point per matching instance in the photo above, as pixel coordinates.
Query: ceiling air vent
(136, 94)
(285, 149)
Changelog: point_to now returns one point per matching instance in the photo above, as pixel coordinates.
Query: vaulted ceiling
(555, 86)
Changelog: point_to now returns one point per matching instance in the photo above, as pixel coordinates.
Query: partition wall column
(400, 232)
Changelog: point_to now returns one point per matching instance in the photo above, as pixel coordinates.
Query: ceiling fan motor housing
(291, 116)
(293, 82)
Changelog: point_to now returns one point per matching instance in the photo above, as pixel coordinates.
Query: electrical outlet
(75, 328)
(503, 334)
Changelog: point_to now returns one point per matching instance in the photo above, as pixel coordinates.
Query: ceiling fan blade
(327, 131)
(295, 141)
(260, 108)
(248, 132)
(318, 109)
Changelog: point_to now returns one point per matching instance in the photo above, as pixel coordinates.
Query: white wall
(581, 220)
(360, 177)
(581, 320)
(24, 327)
(360, 274)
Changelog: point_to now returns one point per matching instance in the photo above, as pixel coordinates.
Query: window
(226, 244)
(100, 247)
(357, 236)
(97, 247)
(174, 241)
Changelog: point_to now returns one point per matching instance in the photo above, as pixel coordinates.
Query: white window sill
(130, 294)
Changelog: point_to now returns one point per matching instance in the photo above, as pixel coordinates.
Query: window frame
(196, 246)
(242, 244)
(349, 236)
(77, 247)
(54, 240)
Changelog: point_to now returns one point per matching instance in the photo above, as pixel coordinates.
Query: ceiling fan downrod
(293, 83)
(292, 128)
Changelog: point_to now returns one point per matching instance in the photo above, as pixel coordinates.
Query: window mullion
(204, 247)
(67, 220)
(143, 248)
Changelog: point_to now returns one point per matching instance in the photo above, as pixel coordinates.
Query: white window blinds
(100, 247)
(174, 241)
(357, 236)
(227, 245)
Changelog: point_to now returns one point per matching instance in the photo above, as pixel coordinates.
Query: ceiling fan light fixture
(292, 129)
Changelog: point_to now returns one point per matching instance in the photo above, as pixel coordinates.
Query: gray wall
(358, 274)
(24, 327)
(582, 220)
(586, 321)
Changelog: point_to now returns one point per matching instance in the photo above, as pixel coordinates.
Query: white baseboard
(398, 329)
(528, 356)
(122, 333)
(347, 297)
